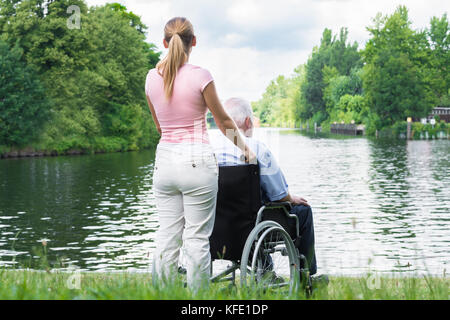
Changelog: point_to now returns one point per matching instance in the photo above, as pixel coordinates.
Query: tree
(396, 78)
(281, 102)
(335, 53)
(23, 107)
(438, 50)
(93, 75)
(267, 107)
(337, 86)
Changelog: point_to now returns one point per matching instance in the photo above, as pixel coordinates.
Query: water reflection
(412, 191)
(389, 172)
(94, 211)
(378, 205)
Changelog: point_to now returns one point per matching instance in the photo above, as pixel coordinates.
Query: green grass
(29, 284)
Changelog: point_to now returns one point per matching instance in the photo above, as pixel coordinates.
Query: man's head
(241, 112)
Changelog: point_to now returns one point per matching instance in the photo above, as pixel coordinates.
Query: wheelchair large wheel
(270, 259)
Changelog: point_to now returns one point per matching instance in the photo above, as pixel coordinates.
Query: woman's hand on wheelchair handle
(250, 157)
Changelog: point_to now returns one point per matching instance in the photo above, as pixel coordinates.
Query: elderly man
(273, 183)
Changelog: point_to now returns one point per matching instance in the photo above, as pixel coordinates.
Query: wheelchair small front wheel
(269, 259)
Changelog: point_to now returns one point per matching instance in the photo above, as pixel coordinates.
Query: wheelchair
(259, 239)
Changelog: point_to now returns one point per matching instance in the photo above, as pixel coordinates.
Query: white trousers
(185, 184)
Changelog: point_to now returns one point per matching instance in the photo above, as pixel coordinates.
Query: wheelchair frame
(229, 274)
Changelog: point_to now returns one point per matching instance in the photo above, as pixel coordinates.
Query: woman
(185, 178)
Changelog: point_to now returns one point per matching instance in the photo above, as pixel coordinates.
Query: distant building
(347, 129)
(442, 112)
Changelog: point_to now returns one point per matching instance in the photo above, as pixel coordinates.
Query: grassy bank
(27, 284)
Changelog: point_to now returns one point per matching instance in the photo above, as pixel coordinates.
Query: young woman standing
(185, 177)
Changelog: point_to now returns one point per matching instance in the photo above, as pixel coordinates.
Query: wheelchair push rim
(269, 238)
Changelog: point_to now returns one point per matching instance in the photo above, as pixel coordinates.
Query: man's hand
(299, 200)
(295, 200)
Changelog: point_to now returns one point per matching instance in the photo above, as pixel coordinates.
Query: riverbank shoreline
(30, 153)
(57, 285)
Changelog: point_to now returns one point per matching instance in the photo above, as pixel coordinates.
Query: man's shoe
(272, 278)
(319, 281)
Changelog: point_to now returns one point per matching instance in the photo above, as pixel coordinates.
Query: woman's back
(182, 117)
(184, 178)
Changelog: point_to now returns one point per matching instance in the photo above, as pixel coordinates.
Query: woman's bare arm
(152, 110)
(225, 122)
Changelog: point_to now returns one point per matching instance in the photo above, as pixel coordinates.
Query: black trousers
(306, 244)
(306, 230)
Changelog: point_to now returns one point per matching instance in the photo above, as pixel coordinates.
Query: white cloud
(233, 39)
(247, 43)
(264, 14)
(245, 71)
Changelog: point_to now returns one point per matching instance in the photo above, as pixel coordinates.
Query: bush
(110, 144)
(420, 130)
(399, 129)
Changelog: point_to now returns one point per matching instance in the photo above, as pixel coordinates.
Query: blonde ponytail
(178, 32)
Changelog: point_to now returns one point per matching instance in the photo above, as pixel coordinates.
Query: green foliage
(425, 131)
(396, 89)
(335, 56)
(418, 130)
(134, 20)
(281, 103)
(266, 108)
(400, 73)
(350, 108)
(94, 76)
(337, 86)
(334, 69)
(439, 58)
(23, 106)
(396, 76)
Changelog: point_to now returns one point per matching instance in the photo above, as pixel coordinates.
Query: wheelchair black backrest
(238, 202)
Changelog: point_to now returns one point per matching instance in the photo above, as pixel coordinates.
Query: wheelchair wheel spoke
(270, 259)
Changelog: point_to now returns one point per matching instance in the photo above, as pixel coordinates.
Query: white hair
(239, 109)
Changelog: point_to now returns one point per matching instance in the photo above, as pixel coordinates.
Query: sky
(247, 43)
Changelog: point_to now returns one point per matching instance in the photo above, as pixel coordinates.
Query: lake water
(378, 205)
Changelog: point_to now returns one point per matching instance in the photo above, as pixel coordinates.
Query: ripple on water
(377, 205)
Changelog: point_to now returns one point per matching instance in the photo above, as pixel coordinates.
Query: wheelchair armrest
(284, 204)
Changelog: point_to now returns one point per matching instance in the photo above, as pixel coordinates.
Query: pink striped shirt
(182, 118)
